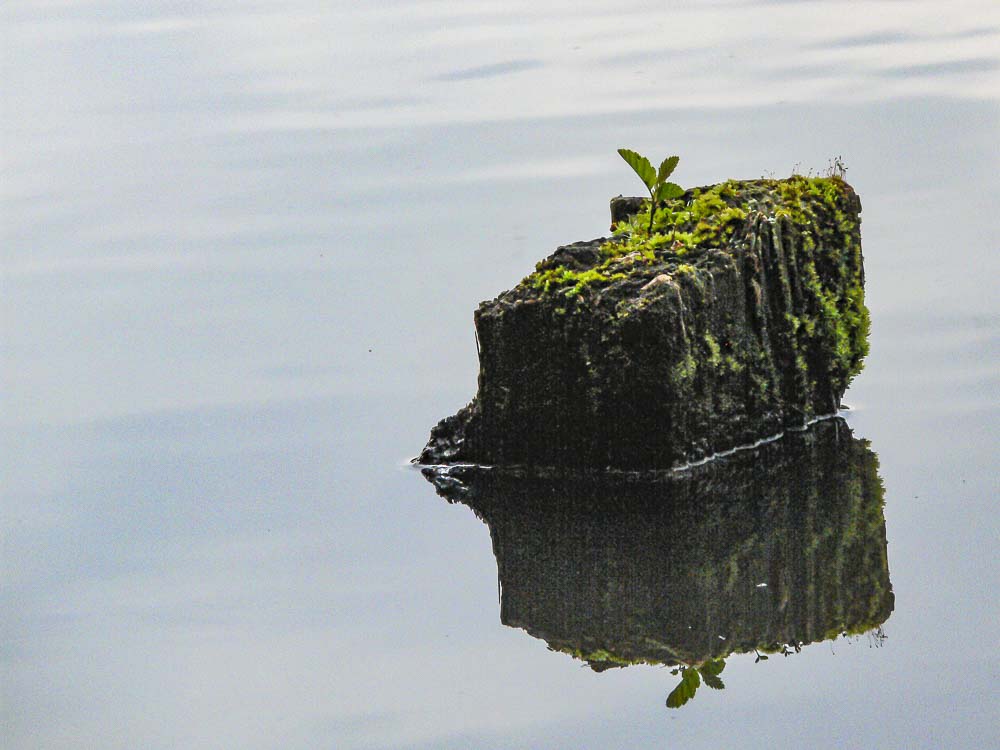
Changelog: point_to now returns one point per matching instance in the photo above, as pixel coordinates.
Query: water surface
(241, 248)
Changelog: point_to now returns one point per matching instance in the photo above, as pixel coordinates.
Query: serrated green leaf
(685, 690)
(713, 667)
(713, 681)
(641, 166)
(667, 168)
(668, 191)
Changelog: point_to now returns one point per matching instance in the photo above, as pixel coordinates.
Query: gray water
(241, 247)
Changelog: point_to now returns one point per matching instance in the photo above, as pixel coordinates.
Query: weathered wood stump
(740, 315)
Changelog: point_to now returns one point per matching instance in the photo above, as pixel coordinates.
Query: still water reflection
(763, 552)
(241, 243)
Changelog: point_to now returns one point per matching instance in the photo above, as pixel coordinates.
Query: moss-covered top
(711, 226)
(706, 218)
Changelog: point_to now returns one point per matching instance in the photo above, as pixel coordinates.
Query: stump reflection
(763, 551)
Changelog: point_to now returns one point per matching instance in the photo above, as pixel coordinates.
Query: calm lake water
(242, 243)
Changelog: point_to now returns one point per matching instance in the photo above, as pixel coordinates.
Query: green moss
(843, 319)
(715, 216)
(602, 656)
(801, 367)
(714, 350)
(858, 324)
(572, 282)
(685, 369)
(732, 364)
(760, 384)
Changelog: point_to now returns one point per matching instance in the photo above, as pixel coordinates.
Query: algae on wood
(742, 313)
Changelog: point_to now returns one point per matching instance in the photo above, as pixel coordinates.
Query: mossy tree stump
(741, 314)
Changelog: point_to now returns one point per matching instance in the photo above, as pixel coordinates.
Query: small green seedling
(692, 675)
(655, 180)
